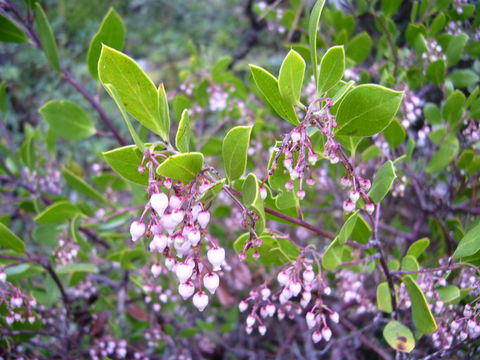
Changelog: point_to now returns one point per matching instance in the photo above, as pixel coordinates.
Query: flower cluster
(433, 53)
(177, 225)
(19, 307)
(108, 347)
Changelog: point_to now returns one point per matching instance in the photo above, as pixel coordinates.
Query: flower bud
(157, 307)
(283, 278)
(250, 320)
(295, 136)
(175, 202)
(365, 184)
(308, 275)
(295, 287)
(3, 276)
(326, 333)
(169, 263)
(345, 182)
(242, 306)
(159, 243)
(310, 318)
(159, 203)
(370, 208)
(216, 257)
(183, 272)
(265, 293)
(306, 297)
(186, 289)
(280, 314)
(196, 209)
(354, 196)
(310, 182)
(289, 185)
(156, 270)
(270, 309)
(249, 329)
(312, 159)
(200, 300)
(178, 216)
(334, 317)
(301, 194)
(203, 218)
(262, 329)
(137, 229)
(263, 193)
(348, 206)
(9, 319)
(211, 282)
(194, 237)
(31, 319)
(16, 301)
(317, 336)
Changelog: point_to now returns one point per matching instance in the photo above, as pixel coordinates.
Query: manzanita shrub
(323, 207)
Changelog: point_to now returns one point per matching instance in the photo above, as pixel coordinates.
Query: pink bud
(326, 333)
(301, 194)
(159, 243)
(242, 306)
(308, 275)
(354, 196)
(200, 300)
(16, 301)
(211, 282)
(159, 203)
(262, 329)
(334, 317)
(312, 159)
(345, 182)
(317, 336)
(249, 329)
(265, 293)
(283, 278)
(183, 272)
(270, 309)
(250, 320)
(311, 322)
(348, 206)
(263, 193)
(370, 208)
(3, 276)
(203, 218)
(175, 202)
(295, 287)
(289, 185)
(365, 183)
(186, 290)
(156, 270)
(31, 319)
(216, 257)
(194, 237)
(310, 182)
(9, 319)
(137, 229)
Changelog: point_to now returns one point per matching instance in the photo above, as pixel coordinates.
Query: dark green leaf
(470, 243)
(8, 240)
(234, 151)
(421, 314)
(383, 181)
(47, 40)
(9, 32)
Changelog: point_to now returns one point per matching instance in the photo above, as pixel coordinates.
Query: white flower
(250, 320)
(159, 243)
(326, 333)
(156, 270)
(186, 290)
(354, 196)
(295, 136)
(295, 287)
(311, 322)
(242, 306)
(283, 278)
(177, 216)
(334, 317)
(137, 229)
(175, 202)
(169, 263)
(270, 309)
(159, 203)
(183, 272)
(262, 329)
(216, 256)
(203, 218)
(306, 297)
(16, 301)
(194, 237)
(263, 193)
(200, 300)
(211, 282)
(3, 276)
(317, 336)
(308, 275)
(348, 206)
(9, 319)
(265, 293)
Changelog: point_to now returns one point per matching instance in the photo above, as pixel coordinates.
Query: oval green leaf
(418, 247)
(9, 32)
(125, 161)
(183, 167)
(81, 185)
(332, 67)
(399, 337)
(60, 211)
(47, 40)
(384, 298)
(366, 110)
(8, 240)
(421, 314)
(383, 181)
(67, 119)
(184, 132)
(290, 78)
(470, 243)
(234, 151)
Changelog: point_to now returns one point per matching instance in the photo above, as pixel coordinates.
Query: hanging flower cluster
(19, 306)
(177, 224)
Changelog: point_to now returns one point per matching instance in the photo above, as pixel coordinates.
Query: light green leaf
(183, 167)
(81, 185)
(60, 211)
(421, 314)
(383, 181)
(361, 231)
(47, 40)
(9, 32)
(455, 47)
(447, 152)
(234, 151)
(114, 95)
(67, 119)
(268, 86)
(410, 263)
(453, 107)
(332, 257)
(332, 67)
(290, 78)
(164, 112)
(112, 33)
(125, 161)
(184, 132)
(470, 243)
(449, 293)
(312, 34)
(137, 91)
(394, 134)
(253, 200)
(399, 337)
(8, 240)
(76, 267)
(432, 113)
(366, 110)
(418, 247)
(384, 298)
(347, 228)
(463, 78)
(389, 7)
(359, 47)
(437, 24)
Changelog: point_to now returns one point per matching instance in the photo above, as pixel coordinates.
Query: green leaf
(184, 132)
(470, 243)
(399, 337)
(418, 247)
(436, 72)
(137, 91)
(394, 134)
(9, 32)
(361, 231)
(410, 263)
(449, 293)
(8, 240)
(234, 151)
(183, 167)
(359, 47)
(389, 7)
(383, 181)
(114, 95)
(453, 107)
(455, 47)
(447, 152)
(112, 33)
(384, 298)
(463, 78)
(253, 200)
(313, 23)
(268, 86)
(47, 40)
(332, 67)
(60, 211)
(347, 228)
(437, 24)
(164, 112)
(125, 161)
(290, 78)
(432, 113)
(421, 314)
(366, 110)
(81, 186)
(76, 267)
(67, 119)
(332, 257)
